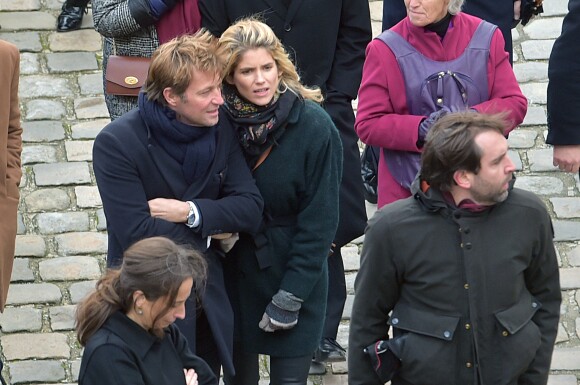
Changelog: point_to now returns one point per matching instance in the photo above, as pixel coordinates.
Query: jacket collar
(433, 200)
(139, 339)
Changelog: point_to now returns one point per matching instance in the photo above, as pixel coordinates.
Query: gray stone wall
(61, 240)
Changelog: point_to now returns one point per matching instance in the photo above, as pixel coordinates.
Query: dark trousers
(283, 370)
(77, 3)
(336, 294)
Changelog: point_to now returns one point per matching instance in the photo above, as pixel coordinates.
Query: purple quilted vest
(430, 85)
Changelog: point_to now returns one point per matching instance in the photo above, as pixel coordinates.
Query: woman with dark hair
(295, 151)
(126, 325)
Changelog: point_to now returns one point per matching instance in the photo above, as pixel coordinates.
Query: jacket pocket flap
(423, 322)
(517, 316)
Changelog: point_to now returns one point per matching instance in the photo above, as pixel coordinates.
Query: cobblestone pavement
(61, 240)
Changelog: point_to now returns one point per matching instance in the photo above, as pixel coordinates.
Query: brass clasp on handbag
(131, 80)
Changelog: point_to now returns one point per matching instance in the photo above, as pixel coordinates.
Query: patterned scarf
(191, 146)
(258, 127)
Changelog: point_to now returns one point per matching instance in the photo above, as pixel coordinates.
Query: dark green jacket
(299, 182)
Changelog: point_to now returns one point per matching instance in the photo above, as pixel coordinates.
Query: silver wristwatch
(191, 215)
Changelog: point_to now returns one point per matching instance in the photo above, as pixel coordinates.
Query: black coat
(327, 40)
(131, 169)
(122, 352)
(564, 82)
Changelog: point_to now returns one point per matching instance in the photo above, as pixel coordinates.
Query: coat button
(467, 230)
(468, 246)
(287, 27)
(446, 334)
(468, 365)
(395, 321)
(505, 333)
(466, 286)
(467, 326)
(534, 305)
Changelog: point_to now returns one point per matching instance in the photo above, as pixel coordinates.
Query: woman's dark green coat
(299, 182)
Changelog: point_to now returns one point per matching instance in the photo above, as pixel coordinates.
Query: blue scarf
(191, 146)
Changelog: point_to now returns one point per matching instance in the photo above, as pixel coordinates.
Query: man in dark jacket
(564, 93)
(327, 41)
(465, 271)
(173, 167)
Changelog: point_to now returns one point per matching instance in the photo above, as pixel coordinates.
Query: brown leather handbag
(126, 74)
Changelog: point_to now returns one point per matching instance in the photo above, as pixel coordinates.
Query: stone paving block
(25, 346)
(562, 379)
(516, 159)
(537, 49)
(347, 311)
(570, 279)
(101, 220)
(574, 256)
(21, 227)
(82, 243)
(38, 154)
(79, 290)
(19, 21)
(376, 28)
(79, 150)
(541, 185)
(29, 64)
(566, 207)
(555, 8)
(349, 278)
(30, 246)
(522, 138)
(48, 199)
(350, 258)
(88, 196)
(541, 160)
(42, 131)
(54, 223)
(566, 230)
(562, 335)
(376, 10)
(59, 174)
(535, 92)
(20, 319)
(25, 41)
(35, 86)
(62, 317)
(89, 129)
(91, 108)
(20, 5)
(342, 335)
(566, 359)
(21, 271)
(36, 371)
(515, 56)
(91, 84)
(535, 116)
(515, 36)
(71, 61)
(40, 109)
(577, 322)
(531, 71)
(69, 268)
(81, 40)
(335, 379)
(548, 28)
(75, 367)
(20, 294)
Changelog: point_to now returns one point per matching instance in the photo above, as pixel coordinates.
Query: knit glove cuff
(281, 313)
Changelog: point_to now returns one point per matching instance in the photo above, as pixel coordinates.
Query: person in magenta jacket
(383, 117)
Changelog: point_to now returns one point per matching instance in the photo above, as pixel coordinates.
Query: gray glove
(428, 122)
(281, 313)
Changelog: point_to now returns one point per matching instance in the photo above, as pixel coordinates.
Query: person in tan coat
(10, 171)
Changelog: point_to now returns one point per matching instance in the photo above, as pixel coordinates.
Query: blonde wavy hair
(249, 34)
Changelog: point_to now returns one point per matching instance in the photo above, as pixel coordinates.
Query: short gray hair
(454, 6)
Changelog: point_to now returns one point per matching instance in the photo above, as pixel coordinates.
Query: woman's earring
(139, 311)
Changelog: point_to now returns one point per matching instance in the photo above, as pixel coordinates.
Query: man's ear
(170, 96)
(462, 179)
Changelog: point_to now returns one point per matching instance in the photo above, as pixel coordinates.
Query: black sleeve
(214, 16)
(205, 375)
